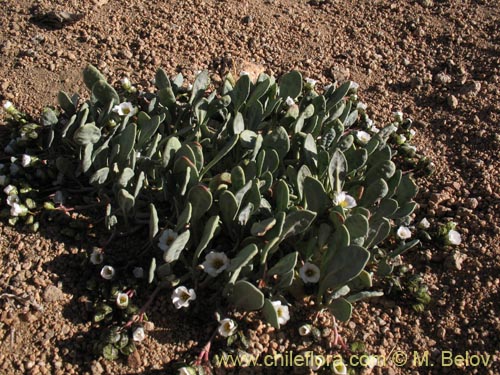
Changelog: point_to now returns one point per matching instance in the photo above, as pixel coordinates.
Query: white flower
(187, 371)
(354, 86)
(58, 197)
(398, 116)
(26, 160)
(363, 136)
(413, 132)
(107, 272)
(181, 296)
(305, 329)
(18, 210)
(316, 362)
(3, 180)
(309, 273)
(96, 258)
(10, 189)
(311, 82)
(14, 169)
(282, 312)
(138, 272)
(167, 237)
(215, 263)
(125, 109)
(125, 82)
(122, 300)
(424, 223)
(12, 199)
(403, 232)
(402, 139)
(361, 106)
(190, 87)
(138, 334)
(244, 73)
(227, 327)
(339, 368)
(289, 101)
(8, 105)
(344, 200)
(371, 362)
(453, 237)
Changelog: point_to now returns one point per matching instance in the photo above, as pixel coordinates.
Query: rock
(247, 19)
(96, 368)
(471, 88)
(472, 203)
(52, 294)
(134, 359)
(454, 260)
(340, 74)
(452, 101)
(442, 78)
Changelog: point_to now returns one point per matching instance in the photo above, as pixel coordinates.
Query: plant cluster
(251, 193)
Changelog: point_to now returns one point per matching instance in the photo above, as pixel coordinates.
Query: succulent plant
(270, 173)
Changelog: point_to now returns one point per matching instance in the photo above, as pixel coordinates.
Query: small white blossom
(3, 180)
(339, 368)
(190, 87)
(403, 232)
(453, 238)
(413, 132)
(227, 327)
(282, 312)
(107, 272)
(361, 106)
(138, 335)
(344, 200)
(316, 362)
(289, 101)
(181, 296)
(311, 82)
(424, 223)
(215, 263)
(402, 139)
(10, 189)
(12, 199)
(125, 109)
(18, 210)
(166, 238)
(122, 300)
(97, 258)
(125, 82)
(244, 73)
(138, 272)
(309, 273)
(14, 169)
(305, 329)
(398, 116)
(26, 160)
(58, 197)
(8, 105)
(371, 362)
(363, 137)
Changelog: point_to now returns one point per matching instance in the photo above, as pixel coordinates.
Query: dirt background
(437, 61)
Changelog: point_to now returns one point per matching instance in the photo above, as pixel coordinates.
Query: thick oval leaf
(285, 264)
(246, 296)
(208, 233)
(243, 257)
(175, 249)
(341, 309)
(290, 85)
(297, 222)
(88, 133)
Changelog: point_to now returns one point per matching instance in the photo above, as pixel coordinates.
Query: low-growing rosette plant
(252, 192)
